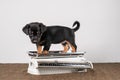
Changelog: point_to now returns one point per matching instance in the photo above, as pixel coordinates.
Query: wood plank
(103, 71)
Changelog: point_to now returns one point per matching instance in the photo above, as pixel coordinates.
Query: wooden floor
(100, 72)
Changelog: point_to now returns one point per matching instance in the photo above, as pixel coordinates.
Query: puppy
(43, 35)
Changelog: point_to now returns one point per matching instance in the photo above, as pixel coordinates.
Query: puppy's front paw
(39, 53)
(63, 52)
(45, 52)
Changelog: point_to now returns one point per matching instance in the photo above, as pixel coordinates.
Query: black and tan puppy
(42, 35)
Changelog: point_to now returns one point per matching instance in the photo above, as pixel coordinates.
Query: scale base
(51, 70)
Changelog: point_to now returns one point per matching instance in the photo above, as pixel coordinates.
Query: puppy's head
(35, 31)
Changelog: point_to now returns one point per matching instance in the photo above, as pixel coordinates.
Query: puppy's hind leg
(73, 45)
(66, 47)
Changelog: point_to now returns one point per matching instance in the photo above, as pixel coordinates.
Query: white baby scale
(57, 62)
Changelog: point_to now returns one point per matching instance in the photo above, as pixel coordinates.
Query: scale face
(57, 62)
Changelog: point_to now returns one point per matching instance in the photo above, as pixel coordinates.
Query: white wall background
(99, 34)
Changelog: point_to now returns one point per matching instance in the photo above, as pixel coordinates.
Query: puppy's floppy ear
(43, 28)
(26, 29)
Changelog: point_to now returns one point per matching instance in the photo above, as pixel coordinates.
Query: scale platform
(57, 62)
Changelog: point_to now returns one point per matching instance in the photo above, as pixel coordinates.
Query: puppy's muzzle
(34, 39)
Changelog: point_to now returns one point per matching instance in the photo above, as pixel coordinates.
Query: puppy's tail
(77, 27)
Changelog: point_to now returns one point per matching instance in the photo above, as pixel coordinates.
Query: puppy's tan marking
(73, 48)
(39, 50)
(66, 48)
